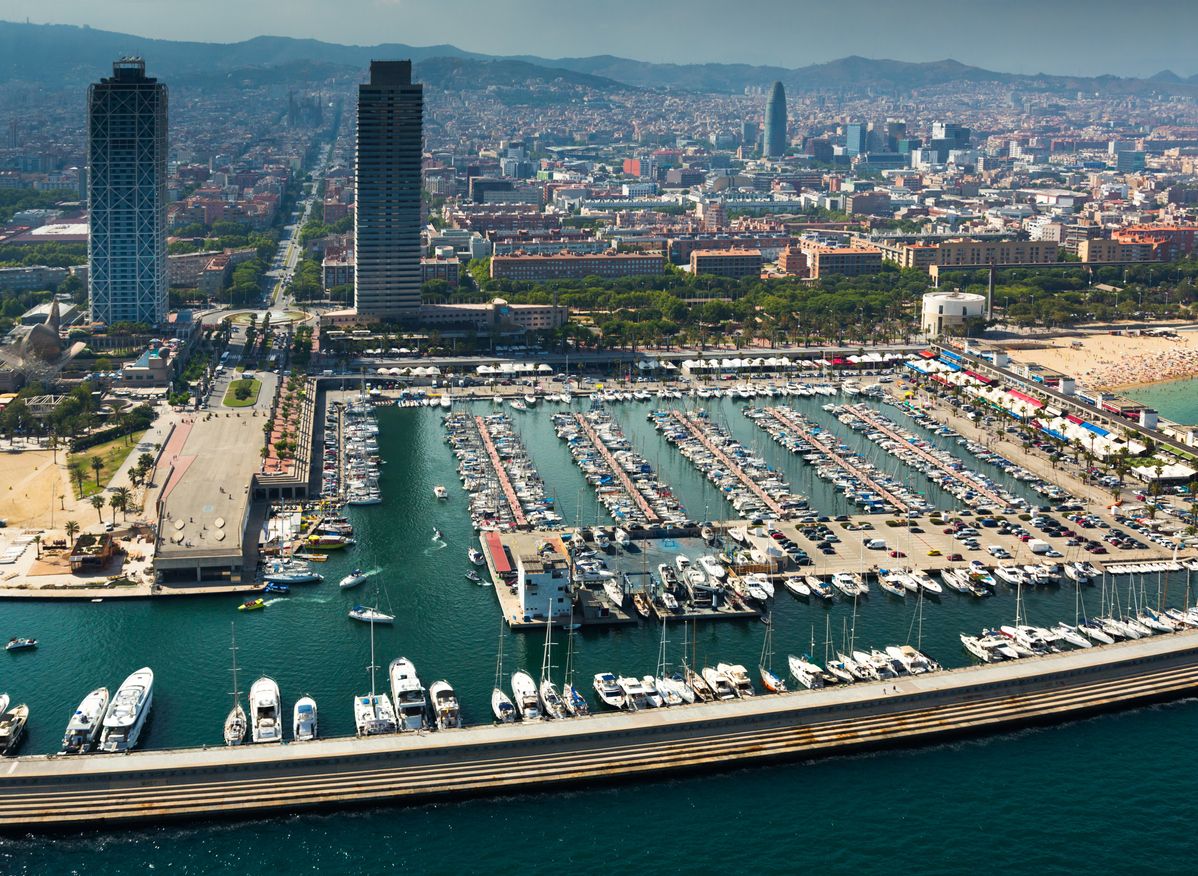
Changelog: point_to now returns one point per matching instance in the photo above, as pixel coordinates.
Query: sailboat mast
(233, 649)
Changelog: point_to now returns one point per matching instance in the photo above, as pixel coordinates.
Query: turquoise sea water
(1175, 400)
(1118, 787)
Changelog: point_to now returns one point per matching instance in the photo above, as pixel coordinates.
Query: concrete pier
(44, 793)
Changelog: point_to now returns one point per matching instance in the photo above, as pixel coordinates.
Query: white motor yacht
(446, 711)
(805, 672)
(411, 701)
(265, 709)
(739, 676)
(608, 689)
(84, 727)
(635, 697)
(721, 686)
(127, 711)
(712, 567)
(440, 492)
(304, 727)
(524, 694)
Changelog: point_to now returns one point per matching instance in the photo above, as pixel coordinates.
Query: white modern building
(944, 311)
(543, 586)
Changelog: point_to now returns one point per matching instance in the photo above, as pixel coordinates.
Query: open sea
(1111, 794)
(1176, 400)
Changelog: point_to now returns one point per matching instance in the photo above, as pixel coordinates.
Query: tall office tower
(126, 194)
(774, 141)
(387, 192)
(854, 138)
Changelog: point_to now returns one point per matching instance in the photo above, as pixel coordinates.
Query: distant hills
(70, 55)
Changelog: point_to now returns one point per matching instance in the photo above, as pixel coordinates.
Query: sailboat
(551, 700)
(673, 692)
(576, 703)
(695, 680)
(501, 704)
(374, 713)
(235, 722)
(769, 680)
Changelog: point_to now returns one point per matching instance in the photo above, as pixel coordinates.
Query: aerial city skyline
(524, 442)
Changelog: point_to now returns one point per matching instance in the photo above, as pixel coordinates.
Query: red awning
(498, 555)
(1024, 397)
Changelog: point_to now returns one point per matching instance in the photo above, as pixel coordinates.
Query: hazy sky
(1024, 36)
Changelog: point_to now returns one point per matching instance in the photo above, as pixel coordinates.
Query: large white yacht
(411, 702)
(265, 708)
(127, 712)
(84, 727)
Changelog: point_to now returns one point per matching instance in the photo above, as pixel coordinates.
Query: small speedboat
(476, 556)
(20, 643)
(437, 535)
(277, 588)
(353, 579)
(472, 575)
(440, 492)
(304, 727)
(252, 604)
(370, 615)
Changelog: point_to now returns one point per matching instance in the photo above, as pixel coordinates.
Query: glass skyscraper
(387, 192)
(126, 193)
(774, 140)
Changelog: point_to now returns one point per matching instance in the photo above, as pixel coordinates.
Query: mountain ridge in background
(70, 55)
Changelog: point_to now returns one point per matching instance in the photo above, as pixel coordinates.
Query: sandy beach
(32, 486)
(1117, 362)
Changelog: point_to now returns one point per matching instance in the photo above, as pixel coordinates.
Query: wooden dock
(651, 516)
(754, 487)
(505, 482)
(784, 417)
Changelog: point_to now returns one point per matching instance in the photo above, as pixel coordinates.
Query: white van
(876, 544)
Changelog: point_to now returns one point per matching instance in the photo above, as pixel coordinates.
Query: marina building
(126, 144)
(387, 192)
(543, 586)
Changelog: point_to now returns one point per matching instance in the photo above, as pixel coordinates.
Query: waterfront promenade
(97, 790)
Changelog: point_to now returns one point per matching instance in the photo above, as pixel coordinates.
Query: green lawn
(252, 384)
(112, 454)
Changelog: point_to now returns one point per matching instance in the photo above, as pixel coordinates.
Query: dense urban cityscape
(881, 373)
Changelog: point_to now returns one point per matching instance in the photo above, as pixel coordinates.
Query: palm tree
(76, 469)
(97, 502)
(114, 502)
(121, 495)
(72, 530)
(97, 465)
